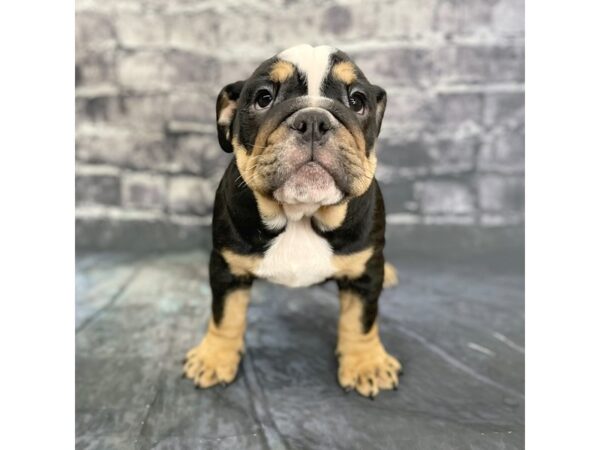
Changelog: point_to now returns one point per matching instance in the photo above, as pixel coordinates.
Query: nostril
(300, 125)
(324, 127)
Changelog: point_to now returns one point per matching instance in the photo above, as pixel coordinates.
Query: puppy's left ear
(381, 99)
(227, 103)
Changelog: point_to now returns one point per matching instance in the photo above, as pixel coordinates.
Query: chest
(297, 257)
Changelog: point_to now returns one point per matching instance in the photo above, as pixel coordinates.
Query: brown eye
(357, 103)
(263, 99)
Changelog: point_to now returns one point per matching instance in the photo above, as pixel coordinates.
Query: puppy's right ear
(227, 103)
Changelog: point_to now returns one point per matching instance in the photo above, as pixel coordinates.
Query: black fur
(222, 282)
(237, 224)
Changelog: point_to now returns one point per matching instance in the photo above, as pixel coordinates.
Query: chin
(311, 184)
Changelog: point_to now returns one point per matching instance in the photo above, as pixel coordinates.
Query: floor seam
(273, 436)
(457, 364)
(113, 299)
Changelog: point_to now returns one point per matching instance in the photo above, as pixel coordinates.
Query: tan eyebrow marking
(344, 71)
(281, 71)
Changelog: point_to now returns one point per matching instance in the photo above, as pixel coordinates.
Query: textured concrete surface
(148, 72)
(455, 322)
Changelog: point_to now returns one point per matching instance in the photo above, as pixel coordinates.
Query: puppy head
(303, 126)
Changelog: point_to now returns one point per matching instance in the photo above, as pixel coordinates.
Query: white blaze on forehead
(313, 62)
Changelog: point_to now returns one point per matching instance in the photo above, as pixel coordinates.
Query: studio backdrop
(451, 152)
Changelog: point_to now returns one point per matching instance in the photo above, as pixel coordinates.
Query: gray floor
(455, 323)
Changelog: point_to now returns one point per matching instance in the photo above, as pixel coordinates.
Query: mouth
(310, 183)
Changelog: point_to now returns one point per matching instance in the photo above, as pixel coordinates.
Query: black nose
(312, 125)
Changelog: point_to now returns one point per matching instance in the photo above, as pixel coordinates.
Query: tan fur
(362, 182)
(364, 365)
(216, 359)
(331, 217)
(352, 265)
(241, 265)
(344, 72)
(359, 166)
(226, 109)
(390, 277)
(256, 167)
(271, 212)
(242, 159)
(281, 71)
(253, 168)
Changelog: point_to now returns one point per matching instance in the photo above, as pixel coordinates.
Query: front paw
(368, 370)
(214, 361)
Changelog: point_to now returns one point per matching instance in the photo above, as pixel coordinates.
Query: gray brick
(199, 154)
(500, 193)
(141, 30)
(93, 31)
(147, 75)
(144, 191)
(403, 153)
(191, 195)
(121, 148)
(405, 65)
(193, 104)
(98, 189)
(143, 112)
(481, 64)
(399, 196)
(136, 112)
(500, 107)
(186, 67)
(194, 31)
(442, 196)
(237, 68)
(504, 150)
(97, 108)
(465, 17)
(454, 109)
(508, 18)
(337, 20)
(95, 67)
(256, 25)
(454, 155)
(143, 70)
(409, 110)
(404, 19)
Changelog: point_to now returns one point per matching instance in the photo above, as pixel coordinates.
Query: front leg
(364, 364)
(215, 360)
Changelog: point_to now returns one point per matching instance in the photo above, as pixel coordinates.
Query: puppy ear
(227, 103)
(381, 99)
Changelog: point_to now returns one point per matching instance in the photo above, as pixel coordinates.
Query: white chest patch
(312, 61)
(297, 257)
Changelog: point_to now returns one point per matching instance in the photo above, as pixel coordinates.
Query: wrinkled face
(303, 126)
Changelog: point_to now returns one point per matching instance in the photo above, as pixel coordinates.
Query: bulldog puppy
(299, 205)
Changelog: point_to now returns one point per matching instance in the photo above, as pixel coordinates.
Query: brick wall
(451, 150)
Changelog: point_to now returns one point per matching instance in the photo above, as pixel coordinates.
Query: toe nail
(395, 387)
(197, 386)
